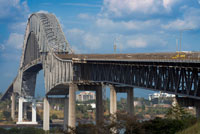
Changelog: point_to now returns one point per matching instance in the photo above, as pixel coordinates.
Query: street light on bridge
(181, 31)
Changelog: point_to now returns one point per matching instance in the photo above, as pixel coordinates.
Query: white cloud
(109, 24)
(10, 7)
(15, 40)
(81, 5)
(12, 56)
(79, 37)
(2, 47)
(84, 16)
(42, 11)
(18, 27)
(75, 31)
(190, 20)
(137, 43)
(121, 7)
(168, 4)
(91, 41)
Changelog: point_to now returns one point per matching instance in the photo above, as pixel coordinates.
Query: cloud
(122, 25)
(11, 8)
(18, 27)
(42, 11)
(137, 43)
(84, 16)
(11, 56)
(168, 4)
(189, 20)
(2, 47)
(80, 5)
(121, 7)
(15, 40)
(89, 40)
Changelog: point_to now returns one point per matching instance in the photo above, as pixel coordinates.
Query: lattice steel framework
(177, 78)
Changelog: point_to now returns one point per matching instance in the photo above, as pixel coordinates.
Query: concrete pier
(13, 106)
(113, 100)
(197, 108)
(130, 99)
(46, 110)
(72, 105)
(99, 104)
(20, 110)
(25, 110)
(34, 115)
(66, 114)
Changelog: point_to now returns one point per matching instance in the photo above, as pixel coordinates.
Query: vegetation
(28, 130)
(191, 130)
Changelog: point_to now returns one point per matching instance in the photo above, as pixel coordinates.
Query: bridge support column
(99, 105)
(72, 106)
(197, 112)
(113, 100)
(197, 109)
(66, 107)
(34, 115)
(25, 110)
(20, 110)
(13, 106)
(46, 114)
(130, 104)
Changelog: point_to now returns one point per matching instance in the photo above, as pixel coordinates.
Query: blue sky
(92, 26)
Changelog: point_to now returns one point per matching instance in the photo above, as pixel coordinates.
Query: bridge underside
(180, 78)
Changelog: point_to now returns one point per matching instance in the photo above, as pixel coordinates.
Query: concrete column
(113, 100)
(72, 105)
(99, 104)
(25, 110)
(20, 110)
(130, 103)
(66, 107)
(197, 108)
(46, 114)
(34, 115)
(13, 106)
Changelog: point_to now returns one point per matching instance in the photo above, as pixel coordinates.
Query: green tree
(6, 115)
(177, 112)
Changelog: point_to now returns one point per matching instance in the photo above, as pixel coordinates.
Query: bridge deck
(172, 57)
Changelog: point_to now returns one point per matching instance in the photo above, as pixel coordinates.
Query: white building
(85, 96)
(160, 95)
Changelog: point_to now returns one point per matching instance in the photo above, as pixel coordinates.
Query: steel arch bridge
(45, 47)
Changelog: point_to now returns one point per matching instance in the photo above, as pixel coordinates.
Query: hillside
(195, 129)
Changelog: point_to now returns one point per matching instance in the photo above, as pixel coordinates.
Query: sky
(93, 26)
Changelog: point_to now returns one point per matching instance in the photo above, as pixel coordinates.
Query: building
(85, 96)
(161, 98)
(160, 95)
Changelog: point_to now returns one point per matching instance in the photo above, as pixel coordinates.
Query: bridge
(45, 47)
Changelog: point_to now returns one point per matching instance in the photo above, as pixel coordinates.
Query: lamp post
(181, 31)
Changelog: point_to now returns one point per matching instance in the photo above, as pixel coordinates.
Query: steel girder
(181, 80)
